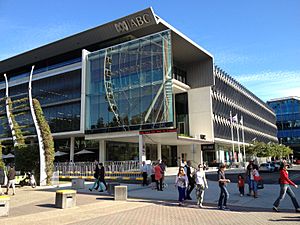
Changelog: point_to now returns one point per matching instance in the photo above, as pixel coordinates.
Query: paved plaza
(147, 206)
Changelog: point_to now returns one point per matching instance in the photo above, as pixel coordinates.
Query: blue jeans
(252, 185)
(285, 188)
(224, 195)
(181, 192)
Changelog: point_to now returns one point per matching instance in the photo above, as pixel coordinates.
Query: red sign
(158, 131)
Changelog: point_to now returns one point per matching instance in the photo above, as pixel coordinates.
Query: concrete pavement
(36, 207)
(147, 206)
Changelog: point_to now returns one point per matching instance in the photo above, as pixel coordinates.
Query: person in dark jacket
(285, 187)
(102, 175)
(96, 176)
(191, 179)
(224, 195)
(2, 179)
(11, 179)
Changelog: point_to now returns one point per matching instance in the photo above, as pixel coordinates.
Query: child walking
(241, 185)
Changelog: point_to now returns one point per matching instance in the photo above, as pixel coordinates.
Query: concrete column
(159, 151)
(72, 147)
(142, 150)
(102, 151)
(201, 154)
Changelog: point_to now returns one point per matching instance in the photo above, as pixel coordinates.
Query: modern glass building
(133, 89)
(288, 122)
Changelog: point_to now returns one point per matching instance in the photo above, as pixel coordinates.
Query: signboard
(133, 22)
(207, 147)
(158, 131)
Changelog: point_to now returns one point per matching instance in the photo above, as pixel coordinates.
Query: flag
(235, 118)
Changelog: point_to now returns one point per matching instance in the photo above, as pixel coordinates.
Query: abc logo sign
(128, 24)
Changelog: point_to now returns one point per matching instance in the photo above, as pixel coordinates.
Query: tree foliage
(261, 149)
(18, 132)
(2, 165)
(47, 139)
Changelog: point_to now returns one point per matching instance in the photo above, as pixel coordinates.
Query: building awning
(150, 137)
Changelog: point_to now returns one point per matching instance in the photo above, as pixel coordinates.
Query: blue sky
(257, 42)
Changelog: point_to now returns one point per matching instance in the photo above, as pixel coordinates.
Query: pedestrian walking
(191, 186)
(2, 179)
(285, 187)
(158, 177)
(241, 185)
(11, 179)
(163, 168)
(144, 171)
(250, 178)
(102, 176)
(224, 195)
(153, 181)
(256, 179)
(201, 184)
(181, 182)
(96, 176)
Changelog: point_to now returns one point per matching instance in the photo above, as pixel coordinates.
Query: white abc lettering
(121, 26)
(133, 23)
(139, 20)
(146, 18)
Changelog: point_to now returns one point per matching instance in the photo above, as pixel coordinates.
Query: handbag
(257, 178)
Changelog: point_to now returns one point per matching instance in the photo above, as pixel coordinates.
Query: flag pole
(243, 136)
(231, 126)
(238, 138)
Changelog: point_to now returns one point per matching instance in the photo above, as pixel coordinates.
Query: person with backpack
(285, 187)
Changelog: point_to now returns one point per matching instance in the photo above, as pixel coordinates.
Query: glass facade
(59, 97)
(288, 122)
(129, 86)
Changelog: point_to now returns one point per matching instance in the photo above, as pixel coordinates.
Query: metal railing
(86, 169)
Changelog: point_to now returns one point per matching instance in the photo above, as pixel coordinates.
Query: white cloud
(272, 84)
(270, 76)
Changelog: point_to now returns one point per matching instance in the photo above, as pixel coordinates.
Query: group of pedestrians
(156, 170)
(99, 175)
(186, 180)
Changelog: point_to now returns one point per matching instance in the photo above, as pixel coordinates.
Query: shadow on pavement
(287, 219)
(47, 206)
(106, 198)
(207, 206)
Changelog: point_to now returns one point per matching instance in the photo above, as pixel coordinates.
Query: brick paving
(36, 206)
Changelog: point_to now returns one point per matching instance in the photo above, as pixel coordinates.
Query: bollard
(65, 199)
(4, 205)
(121, 193)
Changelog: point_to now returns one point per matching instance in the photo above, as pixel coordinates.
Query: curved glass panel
(129, 85)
